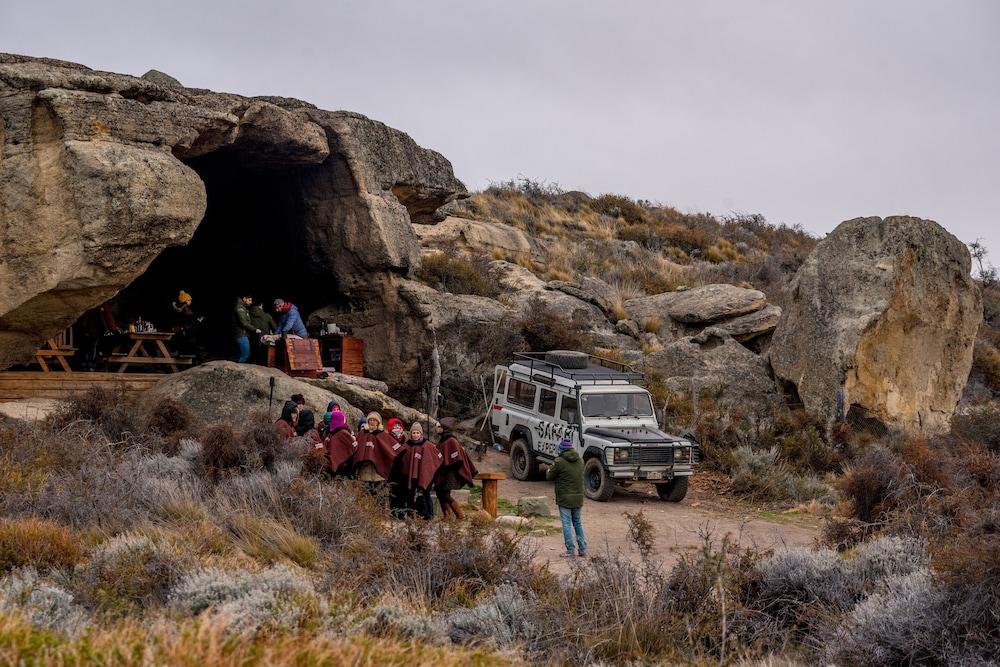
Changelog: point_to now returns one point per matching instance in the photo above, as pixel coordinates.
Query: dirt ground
(678, 526)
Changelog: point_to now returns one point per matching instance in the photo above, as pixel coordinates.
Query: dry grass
(38, 543)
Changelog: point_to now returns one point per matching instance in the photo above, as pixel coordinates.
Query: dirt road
(678, 526)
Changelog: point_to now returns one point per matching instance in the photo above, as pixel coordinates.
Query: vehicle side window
(567, 409)
(547, 403)
(521, 393)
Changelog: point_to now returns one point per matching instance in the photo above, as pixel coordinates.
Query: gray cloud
(809, 112)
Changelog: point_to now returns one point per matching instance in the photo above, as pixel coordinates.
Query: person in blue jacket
(290, 321)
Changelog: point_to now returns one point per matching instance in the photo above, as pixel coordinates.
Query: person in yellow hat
(185, 326)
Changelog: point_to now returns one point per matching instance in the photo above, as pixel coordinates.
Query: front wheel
(674, 490)
(523, 464)
(597, 483)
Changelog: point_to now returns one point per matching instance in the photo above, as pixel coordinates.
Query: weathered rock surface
(481, 237)
(99, 174)
(530, 506)
(225, 390)
(752, 325)
(883, 316)
(714, 362)
(592, 290)
(711, 303)
(511, 277)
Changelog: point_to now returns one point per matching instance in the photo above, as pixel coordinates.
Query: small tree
(987, 272)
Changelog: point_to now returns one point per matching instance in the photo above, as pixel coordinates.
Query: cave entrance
(253, 239)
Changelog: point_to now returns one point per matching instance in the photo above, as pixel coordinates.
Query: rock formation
(882, 322)
(100, 172)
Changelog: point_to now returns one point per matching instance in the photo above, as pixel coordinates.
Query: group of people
(413, 466)
(252, 325)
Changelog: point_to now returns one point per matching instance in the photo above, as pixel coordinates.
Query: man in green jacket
(567, 471)
(242, 327)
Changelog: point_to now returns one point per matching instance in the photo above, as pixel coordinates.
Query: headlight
(622, 455)
(682, 455)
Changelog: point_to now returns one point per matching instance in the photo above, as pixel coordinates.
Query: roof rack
(599, 370)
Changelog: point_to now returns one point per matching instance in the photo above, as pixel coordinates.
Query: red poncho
(419, 464)
(341, 446)
(380, 448)
(285, 429)
(455, 458)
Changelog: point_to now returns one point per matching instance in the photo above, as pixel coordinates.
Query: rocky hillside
(876, 321)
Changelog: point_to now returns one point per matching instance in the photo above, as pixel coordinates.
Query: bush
(41, 603)
(126, 573)
(108, 409)
(507, 617)
(455, 275)
(903, 624)
(618, 206)
(393, 621)
(544, 330)
(37, 543)
(870, 484)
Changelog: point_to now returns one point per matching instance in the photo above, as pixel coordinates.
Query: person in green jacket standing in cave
(567, 472)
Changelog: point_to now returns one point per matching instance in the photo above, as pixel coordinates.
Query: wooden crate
(353, 357)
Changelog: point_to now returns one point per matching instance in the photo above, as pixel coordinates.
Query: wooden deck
(17, 385)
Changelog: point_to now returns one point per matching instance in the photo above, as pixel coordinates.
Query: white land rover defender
(542, 397)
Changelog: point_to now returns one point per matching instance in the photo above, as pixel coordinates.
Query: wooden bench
(59, 348)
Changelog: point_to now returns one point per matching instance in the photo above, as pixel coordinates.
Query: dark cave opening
(251, 240)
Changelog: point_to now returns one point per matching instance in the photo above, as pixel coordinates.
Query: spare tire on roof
(568, 359)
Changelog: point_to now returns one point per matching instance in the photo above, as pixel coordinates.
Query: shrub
(220, 450)
(869, 484)
(901, 625)
(260, 443)
(268, 540)
(507, 617)
(987, 359)
(107, 409)
(41, 603)
(618, 206)
(455, 275)
(169, 417)
(246, 602)
(39, 543)
(386, 620)
(127, 572)
(544, 329)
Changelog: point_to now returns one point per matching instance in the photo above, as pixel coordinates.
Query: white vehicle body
(608, 417)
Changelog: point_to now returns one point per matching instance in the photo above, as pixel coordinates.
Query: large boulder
(101, 172)
(713, 362)
(226, 390)
(483, 238)
(882, 320)
(752, 325)
(368, 401)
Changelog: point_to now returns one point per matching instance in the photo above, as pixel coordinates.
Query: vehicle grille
(652, 455)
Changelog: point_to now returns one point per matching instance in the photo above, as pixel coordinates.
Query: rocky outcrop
(882, 321)
(225, 390)
(371, 401)
(743, 313)
(482, 238)
(100, 172)
(714, 363)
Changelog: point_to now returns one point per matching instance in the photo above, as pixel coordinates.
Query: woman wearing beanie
(567, 472)
(413, 475)
(376, 451)
(341, 445)
(456, 469)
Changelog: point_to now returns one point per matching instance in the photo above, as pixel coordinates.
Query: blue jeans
(244, 344)
(570, 523)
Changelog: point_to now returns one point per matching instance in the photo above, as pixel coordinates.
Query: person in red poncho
(456, 470)
(413, 474)
(289, 417)
(397, 429)
(341, 445)
(376, 450)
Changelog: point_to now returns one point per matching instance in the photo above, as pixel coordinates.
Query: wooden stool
(490, 483)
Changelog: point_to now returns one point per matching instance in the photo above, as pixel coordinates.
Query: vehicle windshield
(633, 404)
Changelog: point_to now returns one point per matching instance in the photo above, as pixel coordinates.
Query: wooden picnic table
(148, 348)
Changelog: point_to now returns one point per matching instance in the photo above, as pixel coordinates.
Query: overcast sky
(808, 112)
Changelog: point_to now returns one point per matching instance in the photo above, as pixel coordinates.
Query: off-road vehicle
(600, 405)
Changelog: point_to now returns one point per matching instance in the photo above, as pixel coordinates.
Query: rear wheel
(674, 490)
(597, 483)
(523, 464)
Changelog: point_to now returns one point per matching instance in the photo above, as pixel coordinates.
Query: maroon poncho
(285, 429)
(455, 458)
(341, 445)
(420, 463)
(380, 448)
